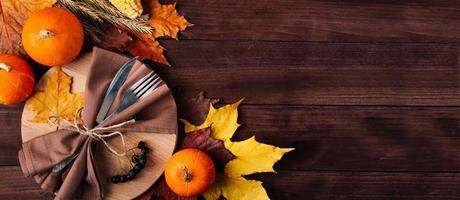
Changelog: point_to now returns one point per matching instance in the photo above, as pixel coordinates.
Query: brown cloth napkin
(155, 113)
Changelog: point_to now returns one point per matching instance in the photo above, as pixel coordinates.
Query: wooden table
(367, 93)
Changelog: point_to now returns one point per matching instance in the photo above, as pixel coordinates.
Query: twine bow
(97, 133)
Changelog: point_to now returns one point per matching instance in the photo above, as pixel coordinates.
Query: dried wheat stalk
(101, 12)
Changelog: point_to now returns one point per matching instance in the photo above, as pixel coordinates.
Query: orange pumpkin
(190, 172)
(16, 79)
(52, 36)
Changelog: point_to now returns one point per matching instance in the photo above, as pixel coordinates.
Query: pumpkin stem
(45, 33)
(5, 67)
(187, 175)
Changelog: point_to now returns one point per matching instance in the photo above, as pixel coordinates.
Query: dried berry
(139, 163)
(115, 179)
(141, 145)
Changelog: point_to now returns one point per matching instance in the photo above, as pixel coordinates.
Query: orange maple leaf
(13, 13)
(165, 20)
(148, 48)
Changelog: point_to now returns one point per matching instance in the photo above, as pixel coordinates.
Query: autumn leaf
(13, 14)
(250, 157)
(148, 48)
(236, 188)
(162, 191)
(201, 139)
(165, 20)
(57, 100)
(116, 39)
(196, 109)
(223, 121)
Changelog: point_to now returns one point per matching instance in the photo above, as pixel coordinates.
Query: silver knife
(113, 88)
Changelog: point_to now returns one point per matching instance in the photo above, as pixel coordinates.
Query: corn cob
(129, 8)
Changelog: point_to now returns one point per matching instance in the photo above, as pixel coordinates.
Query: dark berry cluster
(139, 163)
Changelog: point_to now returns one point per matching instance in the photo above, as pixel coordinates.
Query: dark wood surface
(368, 92)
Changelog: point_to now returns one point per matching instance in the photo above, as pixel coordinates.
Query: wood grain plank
(10, 133)
(13, 185)
(360, 185)
(350, 138)
(311, 20)
(301, 184)
(316, 73)
(254, 54)
(358, 138)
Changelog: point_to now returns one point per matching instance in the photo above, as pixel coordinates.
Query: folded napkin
(155, 113)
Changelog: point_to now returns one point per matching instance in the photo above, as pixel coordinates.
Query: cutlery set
(137, 91)
(142, 88)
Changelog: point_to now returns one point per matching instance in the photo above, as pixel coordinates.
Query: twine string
(97, 133)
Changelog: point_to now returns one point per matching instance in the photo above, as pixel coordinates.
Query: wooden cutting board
(107, 164)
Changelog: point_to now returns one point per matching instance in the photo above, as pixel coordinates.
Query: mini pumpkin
(190, 172)
(52, 36)
(16, 79)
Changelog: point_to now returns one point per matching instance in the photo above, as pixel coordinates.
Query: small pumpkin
(52, 36)
(190, 172)
(16, 79)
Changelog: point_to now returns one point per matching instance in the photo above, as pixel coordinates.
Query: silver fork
(139, 90)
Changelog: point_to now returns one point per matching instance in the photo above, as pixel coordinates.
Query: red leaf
(201, 139)
(116, 39)
(197, 108)
(162, 191)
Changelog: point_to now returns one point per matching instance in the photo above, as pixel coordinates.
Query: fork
(139, 90)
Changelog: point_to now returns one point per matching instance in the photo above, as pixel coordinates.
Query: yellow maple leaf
(165, 20)
(13, 13)
(56, 100)
(236, 187)
(223, 120)
(251, 157)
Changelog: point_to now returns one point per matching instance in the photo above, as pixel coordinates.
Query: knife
(113, 88)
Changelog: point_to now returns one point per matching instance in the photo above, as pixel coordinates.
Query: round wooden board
(107, 164)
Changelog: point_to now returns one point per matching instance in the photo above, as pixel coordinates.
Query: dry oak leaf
(13, 13)
(250, 157)
(56, 100)
(165, 20)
